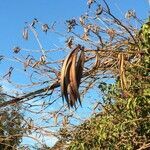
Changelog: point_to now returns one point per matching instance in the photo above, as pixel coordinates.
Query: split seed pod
(71, 74)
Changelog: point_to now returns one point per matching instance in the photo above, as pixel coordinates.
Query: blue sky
(13, 14)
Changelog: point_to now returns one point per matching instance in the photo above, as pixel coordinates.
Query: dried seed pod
(73, 80)
(122, 73)
(69, 80)
(63, 74)
(80, 65)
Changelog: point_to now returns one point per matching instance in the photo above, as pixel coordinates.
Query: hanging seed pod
(123, 81)
(80, 65)
(71, 74)
(25, 33)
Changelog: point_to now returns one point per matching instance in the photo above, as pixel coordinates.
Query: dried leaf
(130, 13)
(90, 2)
(85, 36)
(25, 33)
(82, 20)
(55, 117)
(99, 10)
(16, 49)
(69, 42)
(45, 28)
(111, 33)
(71, 24)
(34, 22)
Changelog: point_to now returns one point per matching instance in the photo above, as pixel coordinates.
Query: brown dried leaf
(69, 42)
(111, 33)
(85, 36)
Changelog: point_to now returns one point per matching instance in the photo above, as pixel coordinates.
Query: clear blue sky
(13, 14)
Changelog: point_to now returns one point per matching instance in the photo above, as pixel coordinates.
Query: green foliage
(145, 36)
(124, 122)
(11, 130)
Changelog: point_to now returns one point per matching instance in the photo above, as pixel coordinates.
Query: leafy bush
(124, 121)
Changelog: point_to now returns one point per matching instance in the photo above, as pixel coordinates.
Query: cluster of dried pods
(71, 75)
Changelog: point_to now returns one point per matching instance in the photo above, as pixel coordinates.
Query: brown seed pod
(70, 77)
